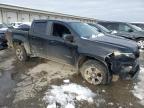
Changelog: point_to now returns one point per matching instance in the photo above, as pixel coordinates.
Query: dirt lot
(29, 86)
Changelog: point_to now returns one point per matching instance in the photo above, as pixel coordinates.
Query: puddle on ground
(6, 86)
(6, 81)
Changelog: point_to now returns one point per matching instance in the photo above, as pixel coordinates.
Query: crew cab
(126, 30)
(96, 57)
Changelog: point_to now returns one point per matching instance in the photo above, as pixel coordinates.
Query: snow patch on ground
(38, 77)
(139, 87)
(66, 95)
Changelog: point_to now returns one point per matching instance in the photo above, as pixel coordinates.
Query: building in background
(10, 14)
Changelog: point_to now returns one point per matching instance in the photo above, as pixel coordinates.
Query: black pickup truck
(97, 57)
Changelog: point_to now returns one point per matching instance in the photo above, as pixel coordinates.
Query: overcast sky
(118, 10)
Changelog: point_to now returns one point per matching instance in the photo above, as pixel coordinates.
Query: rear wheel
(21, 53)
(94, 72)
(140, 43)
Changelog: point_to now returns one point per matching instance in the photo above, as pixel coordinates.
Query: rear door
(37, 38)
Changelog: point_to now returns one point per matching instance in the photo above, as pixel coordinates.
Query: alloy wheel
(141, 44)
(93, 75)
(19, 54)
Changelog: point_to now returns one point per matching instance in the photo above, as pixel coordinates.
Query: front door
(58, 49)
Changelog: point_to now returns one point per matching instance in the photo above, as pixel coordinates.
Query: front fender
(98, 58)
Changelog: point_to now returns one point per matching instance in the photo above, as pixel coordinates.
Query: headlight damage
(124, 63)
(118, 54)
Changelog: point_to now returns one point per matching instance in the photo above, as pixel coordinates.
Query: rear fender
(17, 39)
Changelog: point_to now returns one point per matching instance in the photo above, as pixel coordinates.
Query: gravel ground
(26, 85)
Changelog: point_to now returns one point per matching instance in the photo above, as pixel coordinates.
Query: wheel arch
(139, 38)
(20, 42)
(84, 58)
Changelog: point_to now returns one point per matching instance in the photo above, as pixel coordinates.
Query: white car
(17, 24)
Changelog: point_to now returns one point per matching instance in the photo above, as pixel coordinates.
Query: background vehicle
(139, 24)
(3, 41)
(24, 27)
(102, 29)
(78, 44)
(17, 24)
(126, 30)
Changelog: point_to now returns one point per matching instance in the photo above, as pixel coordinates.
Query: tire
(94, 72)
(21, 53)
(140, 43)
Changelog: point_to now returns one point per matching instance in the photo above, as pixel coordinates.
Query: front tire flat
(94, 72)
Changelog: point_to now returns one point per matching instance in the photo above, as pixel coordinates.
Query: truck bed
(12, 34)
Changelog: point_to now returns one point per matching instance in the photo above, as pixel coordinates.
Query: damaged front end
(126, 65)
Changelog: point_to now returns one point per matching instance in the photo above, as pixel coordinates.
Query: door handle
(52, 41)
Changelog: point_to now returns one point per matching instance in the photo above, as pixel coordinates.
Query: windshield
(84, 30)
(104, 29)
(136, 27)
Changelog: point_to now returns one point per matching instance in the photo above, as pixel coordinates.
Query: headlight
(117, 53)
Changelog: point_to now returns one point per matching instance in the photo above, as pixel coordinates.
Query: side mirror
(100, 34)
(130, 30)
(68, 37)
(113, 31)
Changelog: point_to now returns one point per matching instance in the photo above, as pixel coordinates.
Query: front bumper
(126, 68)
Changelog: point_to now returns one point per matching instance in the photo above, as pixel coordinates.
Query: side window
(123, 27)
(60, 30)
(40, 27)
(110, 26)
(113, 26)
(104, 24)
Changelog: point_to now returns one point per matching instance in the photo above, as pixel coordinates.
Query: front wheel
(21, 53)
(94, 72)
(140, 43)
